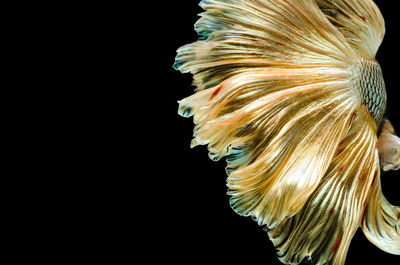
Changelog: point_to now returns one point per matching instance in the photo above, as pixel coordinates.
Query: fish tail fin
(275, 96)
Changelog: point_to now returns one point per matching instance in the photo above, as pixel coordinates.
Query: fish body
(290, 93)
(371, 86)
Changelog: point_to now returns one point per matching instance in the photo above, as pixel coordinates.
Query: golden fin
(360, 22)
(279, 130)
(381, 223)
(276, 95)
(323, 228)
(241, 35)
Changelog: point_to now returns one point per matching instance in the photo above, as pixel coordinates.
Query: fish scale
(371, 85)
(290, 93)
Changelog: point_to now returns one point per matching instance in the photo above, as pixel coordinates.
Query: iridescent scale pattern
(372, 88)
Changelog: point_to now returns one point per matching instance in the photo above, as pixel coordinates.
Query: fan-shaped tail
(276, 96)
(279, 130)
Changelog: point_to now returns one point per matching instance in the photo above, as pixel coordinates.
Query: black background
(194, 222)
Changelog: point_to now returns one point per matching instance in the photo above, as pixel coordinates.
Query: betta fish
(290, 93)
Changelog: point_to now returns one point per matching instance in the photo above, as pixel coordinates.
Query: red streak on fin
(216, 91)
(363, 18)
(352, 117)
(340, 151)
(373, 9)
(336, 245)
(330, 212)
(374, 179)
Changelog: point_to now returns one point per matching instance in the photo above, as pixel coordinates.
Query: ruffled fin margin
(274, 96)
(359, 21)
(242, 35)
(279, 130)
(381, 223)
(323, 228)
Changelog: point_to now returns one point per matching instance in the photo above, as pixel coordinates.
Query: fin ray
(323, 228)
(359, 21)
(381, 223)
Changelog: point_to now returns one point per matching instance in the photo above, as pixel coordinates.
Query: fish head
(389, 148)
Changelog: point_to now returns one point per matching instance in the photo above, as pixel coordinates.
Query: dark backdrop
(194, 222)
